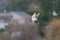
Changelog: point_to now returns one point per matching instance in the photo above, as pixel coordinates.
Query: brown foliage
(53, 30)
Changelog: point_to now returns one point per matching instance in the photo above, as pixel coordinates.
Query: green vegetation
(2, 31)
(47, 7)
(18, 5)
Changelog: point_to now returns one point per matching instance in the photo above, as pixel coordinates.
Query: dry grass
(53, 30)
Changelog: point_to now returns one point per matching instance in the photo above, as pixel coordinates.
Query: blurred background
(48, 9)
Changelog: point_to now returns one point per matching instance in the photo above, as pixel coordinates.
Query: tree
(19, 5)
(48, 6)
